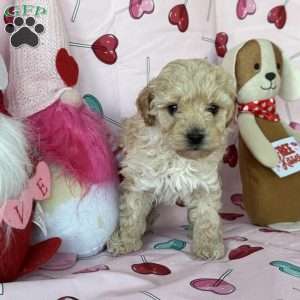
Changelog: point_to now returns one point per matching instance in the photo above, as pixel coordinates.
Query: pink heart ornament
(138, 8)
(18, 212)
(245, 8)
(40, 183)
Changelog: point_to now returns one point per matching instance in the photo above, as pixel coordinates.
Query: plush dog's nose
(270, 76)
(195, 136)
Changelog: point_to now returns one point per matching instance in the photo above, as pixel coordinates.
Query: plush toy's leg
(134, 209)
(207, 231)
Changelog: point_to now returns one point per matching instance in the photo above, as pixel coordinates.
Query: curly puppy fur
(174, 146)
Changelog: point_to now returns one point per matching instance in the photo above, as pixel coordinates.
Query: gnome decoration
(73, 140)
(17, 195)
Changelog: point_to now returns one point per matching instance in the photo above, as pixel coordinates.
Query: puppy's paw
(209, 251)
(118, 245)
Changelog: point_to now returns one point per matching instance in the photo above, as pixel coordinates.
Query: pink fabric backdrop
(117, 85)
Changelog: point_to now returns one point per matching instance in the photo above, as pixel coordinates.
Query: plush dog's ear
(3, 75)
(290, 81)
(144, 106)
(229, 61)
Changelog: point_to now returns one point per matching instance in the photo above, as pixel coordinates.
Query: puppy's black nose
(270, 76)
(195, 136)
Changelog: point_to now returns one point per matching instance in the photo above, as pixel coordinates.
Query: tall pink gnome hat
(42, 77)
(83, 207)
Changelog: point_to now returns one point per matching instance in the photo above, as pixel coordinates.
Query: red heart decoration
(270, 230)
(67, 67)
(209, 285)
(230, 216)
(237, 199)
(231, 156)
(2, 105)
(9, 19)
(278, 16)
(151, 268)
(243, 251)
(105, 48)
(179, 16)
(221, 43)
(93, 269)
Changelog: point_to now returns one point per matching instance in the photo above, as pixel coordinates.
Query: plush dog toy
(83, 207)
(17, 192)
(262, 72)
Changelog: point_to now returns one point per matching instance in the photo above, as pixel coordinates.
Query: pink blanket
(259, 264)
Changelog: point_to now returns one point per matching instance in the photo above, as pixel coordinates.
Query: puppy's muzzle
(195, 137)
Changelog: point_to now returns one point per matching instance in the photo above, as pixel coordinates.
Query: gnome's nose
(71, 96)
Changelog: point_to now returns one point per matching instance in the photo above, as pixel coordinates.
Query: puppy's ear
(231, 114)
(144, 106)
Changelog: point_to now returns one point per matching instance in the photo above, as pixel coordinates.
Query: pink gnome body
(73, 140)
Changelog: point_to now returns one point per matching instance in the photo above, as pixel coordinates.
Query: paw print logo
(24, 32)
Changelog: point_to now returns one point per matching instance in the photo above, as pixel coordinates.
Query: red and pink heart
(231, 156)
(209, 285)
(243, 251)
(237, 199)
(138, 8)
(9, 15)
(179, 16)
(67, 67)
(230, 216)
(271, 230)
(236, 238)
(245, 8)
(221, 43)
(278, 16)
(215, 285)
(93, 269)
(295, 125)
(104, 48)
(147, 268)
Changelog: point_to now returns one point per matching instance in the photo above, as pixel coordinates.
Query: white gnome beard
(14, 162)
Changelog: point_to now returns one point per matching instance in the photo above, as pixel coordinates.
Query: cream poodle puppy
(173, 149)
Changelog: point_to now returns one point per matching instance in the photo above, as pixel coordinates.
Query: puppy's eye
(278, 66)
(172, 109)
(257, 67)
(213, 109)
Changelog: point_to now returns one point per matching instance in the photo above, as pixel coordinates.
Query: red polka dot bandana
(264, 109)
